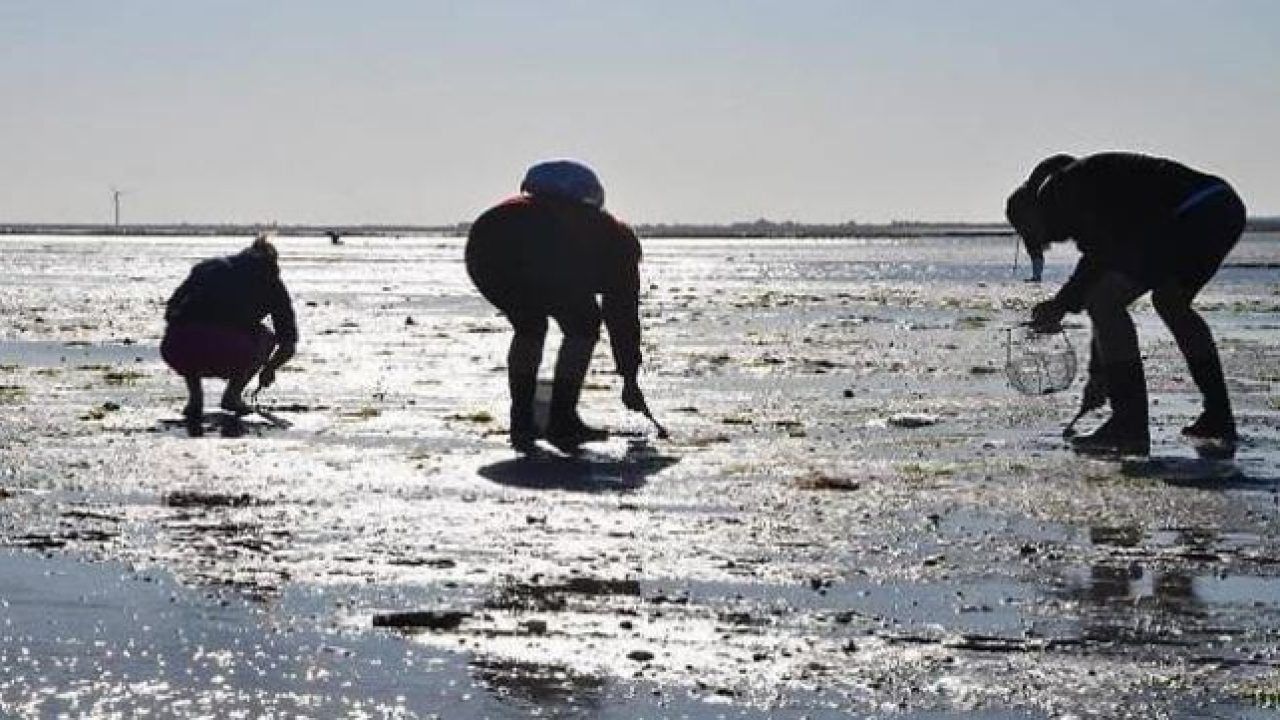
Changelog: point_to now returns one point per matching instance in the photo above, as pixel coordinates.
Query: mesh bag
(1039, 363)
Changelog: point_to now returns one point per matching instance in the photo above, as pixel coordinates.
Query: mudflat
(854, 516)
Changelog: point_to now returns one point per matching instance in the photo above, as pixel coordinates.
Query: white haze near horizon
(393, 111)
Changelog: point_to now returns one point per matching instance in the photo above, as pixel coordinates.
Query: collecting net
(1039, 363)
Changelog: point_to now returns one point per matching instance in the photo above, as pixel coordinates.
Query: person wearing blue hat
(548, 253)
(1142, 224)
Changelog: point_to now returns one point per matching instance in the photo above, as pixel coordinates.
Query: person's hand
(267, 377)
(632, 397)
(1047, 316)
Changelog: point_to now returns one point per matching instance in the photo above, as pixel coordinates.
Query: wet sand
(855, 515)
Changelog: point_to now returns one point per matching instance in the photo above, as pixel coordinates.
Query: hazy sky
(428, 111)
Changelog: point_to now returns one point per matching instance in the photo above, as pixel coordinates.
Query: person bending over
(214, 327)
(547, 253)
(1142, 224)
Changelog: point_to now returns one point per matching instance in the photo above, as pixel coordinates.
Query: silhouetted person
(215, 327)
(548, 253)
(1037, 265)
(1141, 224)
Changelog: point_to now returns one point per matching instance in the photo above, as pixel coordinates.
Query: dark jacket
(236, 291)
(539, 248)
(1119, 209)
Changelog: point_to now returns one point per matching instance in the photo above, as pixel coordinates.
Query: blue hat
(564, 178)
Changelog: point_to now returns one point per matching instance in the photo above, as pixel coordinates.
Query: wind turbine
(115, 201)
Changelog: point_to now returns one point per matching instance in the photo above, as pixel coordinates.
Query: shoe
(1213, 437)
(570, 436)
(1207, 427)
(1114, 437)
(524, 444)
(231, 427)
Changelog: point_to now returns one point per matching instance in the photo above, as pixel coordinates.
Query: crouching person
(547, 253)
(214, 328)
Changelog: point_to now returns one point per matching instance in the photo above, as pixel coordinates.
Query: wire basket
(1039, 363)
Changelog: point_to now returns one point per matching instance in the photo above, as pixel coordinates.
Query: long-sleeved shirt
(236, 291)
(1116, 207)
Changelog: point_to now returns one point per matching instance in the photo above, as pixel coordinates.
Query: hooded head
(1023, 210)
(568, 179)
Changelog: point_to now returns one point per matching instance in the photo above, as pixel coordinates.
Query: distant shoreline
(758, 229)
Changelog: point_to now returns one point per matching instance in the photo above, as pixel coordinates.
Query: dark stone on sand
(440, 563)
(640, 655)
(194, 498)
(535, 627)
(426, 619)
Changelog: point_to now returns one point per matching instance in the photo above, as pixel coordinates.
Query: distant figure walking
(547, 253)
(215, 327)
(1142, 224)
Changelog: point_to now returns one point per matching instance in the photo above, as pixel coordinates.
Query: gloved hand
(1047, 316)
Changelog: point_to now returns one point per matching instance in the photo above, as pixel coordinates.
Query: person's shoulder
(622, 234)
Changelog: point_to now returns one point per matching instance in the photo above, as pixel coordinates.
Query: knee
(1104, 313)
(581, 327)
(1172, 306)
(584, 333)
(528, 328)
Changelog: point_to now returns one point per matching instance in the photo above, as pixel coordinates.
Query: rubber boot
(1095, 386)
(524, 431)
(1216, 422)
(1126, 431)
(565, 428)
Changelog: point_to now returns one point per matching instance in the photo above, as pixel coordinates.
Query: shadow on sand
(587, 472)
(1204, 473)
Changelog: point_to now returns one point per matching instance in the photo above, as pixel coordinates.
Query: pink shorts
(215, 350)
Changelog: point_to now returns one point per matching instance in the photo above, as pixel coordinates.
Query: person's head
(262, 249)
(566, 179)
(1023, 210)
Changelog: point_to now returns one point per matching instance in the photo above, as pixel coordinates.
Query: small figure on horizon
(1037, 265)
(334, 237)
(1142, 224)
(214, 328)
(547, 253)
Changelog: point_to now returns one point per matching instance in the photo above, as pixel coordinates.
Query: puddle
(47, 353)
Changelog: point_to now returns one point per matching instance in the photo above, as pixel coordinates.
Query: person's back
(235, 291)
(1117, 197)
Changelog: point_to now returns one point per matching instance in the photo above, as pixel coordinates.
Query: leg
(259, 345)
(1202, 239)
(580, 323)
(523, 358)
(193, 413)
(1094, 395)
(1195, 340)
(1116, 345)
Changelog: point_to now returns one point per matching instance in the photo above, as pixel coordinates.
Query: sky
(429, 111)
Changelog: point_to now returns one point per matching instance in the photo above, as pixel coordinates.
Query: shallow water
(793, 550)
